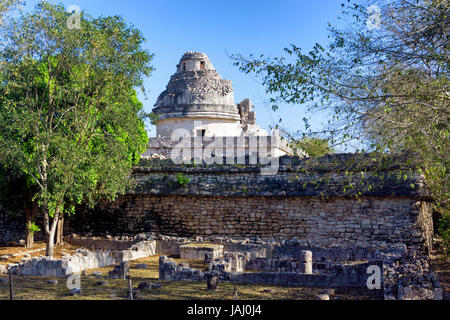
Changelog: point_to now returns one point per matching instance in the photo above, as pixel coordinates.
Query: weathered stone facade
(197, 102)
(197, 99)
(217, 148)
(238, 201)
(338, 221)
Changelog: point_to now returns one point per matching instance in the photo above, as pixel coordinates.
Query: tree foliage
(384, 78)
(7, 6)
(314, 147)
(69, 114)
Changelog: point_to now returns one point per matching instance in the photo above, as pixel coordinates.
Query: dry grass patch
(34, 288)
(37, 251)
(37, 288)
(197, 291)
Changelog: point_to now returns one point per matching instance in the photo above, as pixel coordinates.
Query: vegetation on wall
(182, 180)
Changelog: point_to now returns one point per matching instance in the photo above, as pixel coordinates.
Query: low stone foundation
(405, 275)
(98, 243)
(83, 259)
(201, 252)
(345, 276)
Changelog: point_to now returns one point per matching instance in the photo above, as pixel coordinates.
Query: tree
(314, 147)
(6, 6)
(385, 80)
(69, 114)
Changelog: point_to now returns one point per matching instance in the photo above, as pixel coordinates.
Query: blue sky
(220, 28)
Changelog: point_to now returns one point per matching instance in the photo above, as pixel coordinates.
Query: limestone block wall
(201, 252)
(83, 259)
(303, 201)
(239, 201)
(12, 226)
(337, 221)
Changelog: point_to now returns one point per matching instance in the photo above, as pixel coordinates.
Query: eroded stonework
(197, 102)
(239, 201)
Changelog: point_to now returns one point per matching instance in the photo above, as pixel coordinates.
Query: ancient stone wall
(220, 146)
(239, 201)
(311, 202)
(337, 221)
(83, 259)
(12, 226)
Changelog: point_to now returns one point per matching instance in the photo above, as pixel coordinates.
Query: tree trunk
(30, 214)
(50, 245)
(29, 219)
(60, 231)
(50, 233)
(29, 239)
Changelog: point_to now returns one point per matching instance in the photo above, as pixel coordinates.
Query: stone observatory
(198, 103)
(197, 93)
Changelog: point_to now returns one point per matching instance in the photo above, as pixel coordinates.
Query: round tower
(199, 100)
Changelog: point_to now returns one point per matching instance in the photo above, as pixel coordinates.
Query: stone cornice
(330, 176)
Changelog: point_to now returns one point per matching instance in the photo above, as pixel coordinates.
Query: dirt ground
(37, 250)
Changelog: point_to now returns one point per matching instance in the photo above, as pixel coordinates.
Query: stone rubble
(411, 278)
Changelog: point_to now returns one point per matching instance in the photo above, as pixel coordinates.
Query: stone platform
(201, 251)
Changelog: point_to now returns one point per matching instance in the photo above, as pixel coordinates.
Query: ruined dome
(197, 90)
(191, 61)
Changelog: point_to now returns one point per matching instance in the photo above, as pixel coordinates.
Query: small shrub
(33, 228)
(182, 179)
